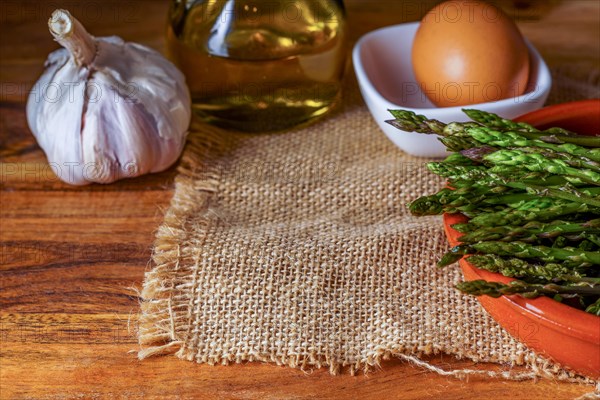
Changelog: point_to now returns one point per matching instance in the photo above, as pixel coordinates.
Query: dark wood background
(72, 258)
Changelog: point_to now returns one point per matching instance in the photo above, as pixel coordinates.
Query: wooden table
(71, 258)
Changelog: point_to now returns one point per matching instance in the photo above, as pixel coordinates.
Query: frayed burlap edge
(166, 282)
(163, 329)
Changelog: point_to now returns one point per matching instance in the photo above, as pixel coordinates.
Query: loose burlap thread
(297, 248)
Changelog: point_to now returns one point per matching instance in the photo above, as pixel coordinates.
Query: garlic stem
(69, 32)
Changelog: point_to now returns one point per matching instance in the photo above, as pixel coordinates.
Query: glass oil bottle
(259, 65)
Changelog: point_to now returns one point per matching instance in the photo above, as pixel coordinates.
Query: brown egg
(469, 52)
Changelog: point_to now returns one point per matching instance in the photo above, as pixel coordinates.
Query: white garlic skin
(124, 114)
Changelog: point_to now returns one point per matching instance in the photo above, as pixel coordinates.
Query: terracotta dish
(562, 333)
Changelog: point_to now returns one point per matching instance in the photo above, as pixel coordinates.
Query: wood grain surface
(72, 258)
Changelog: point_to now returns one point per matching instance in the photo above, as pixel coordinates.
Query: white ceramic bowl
(384, 70)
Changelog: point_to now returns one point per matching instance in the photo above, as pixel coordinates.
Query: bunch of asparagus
(533, 202)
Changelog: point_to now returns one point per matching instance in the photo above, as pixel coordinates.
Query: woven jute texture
(297, 248)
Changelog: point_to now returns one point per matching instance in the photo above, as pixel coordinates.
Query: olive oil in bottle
(259, 65)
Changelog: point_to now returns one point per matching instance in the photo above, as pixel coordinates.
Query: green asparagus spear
(552, 135)
(496, 289)
(411, 122)
(524, 177)
(521, 250)
(537, 229)
(477, 154)
(511, 139)
(476, 173)
(448, 199)
(459, 143)
(577, 162)
(539, 163)
(521, 216)
(494, 121)
(518, 268)
(554, 138)
(483, 175)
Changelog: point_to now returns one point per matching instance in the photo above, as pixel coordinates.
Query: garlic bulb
(105, 109)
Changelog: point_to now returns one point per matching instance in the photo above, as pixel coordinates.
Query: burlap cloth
(297, 248)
